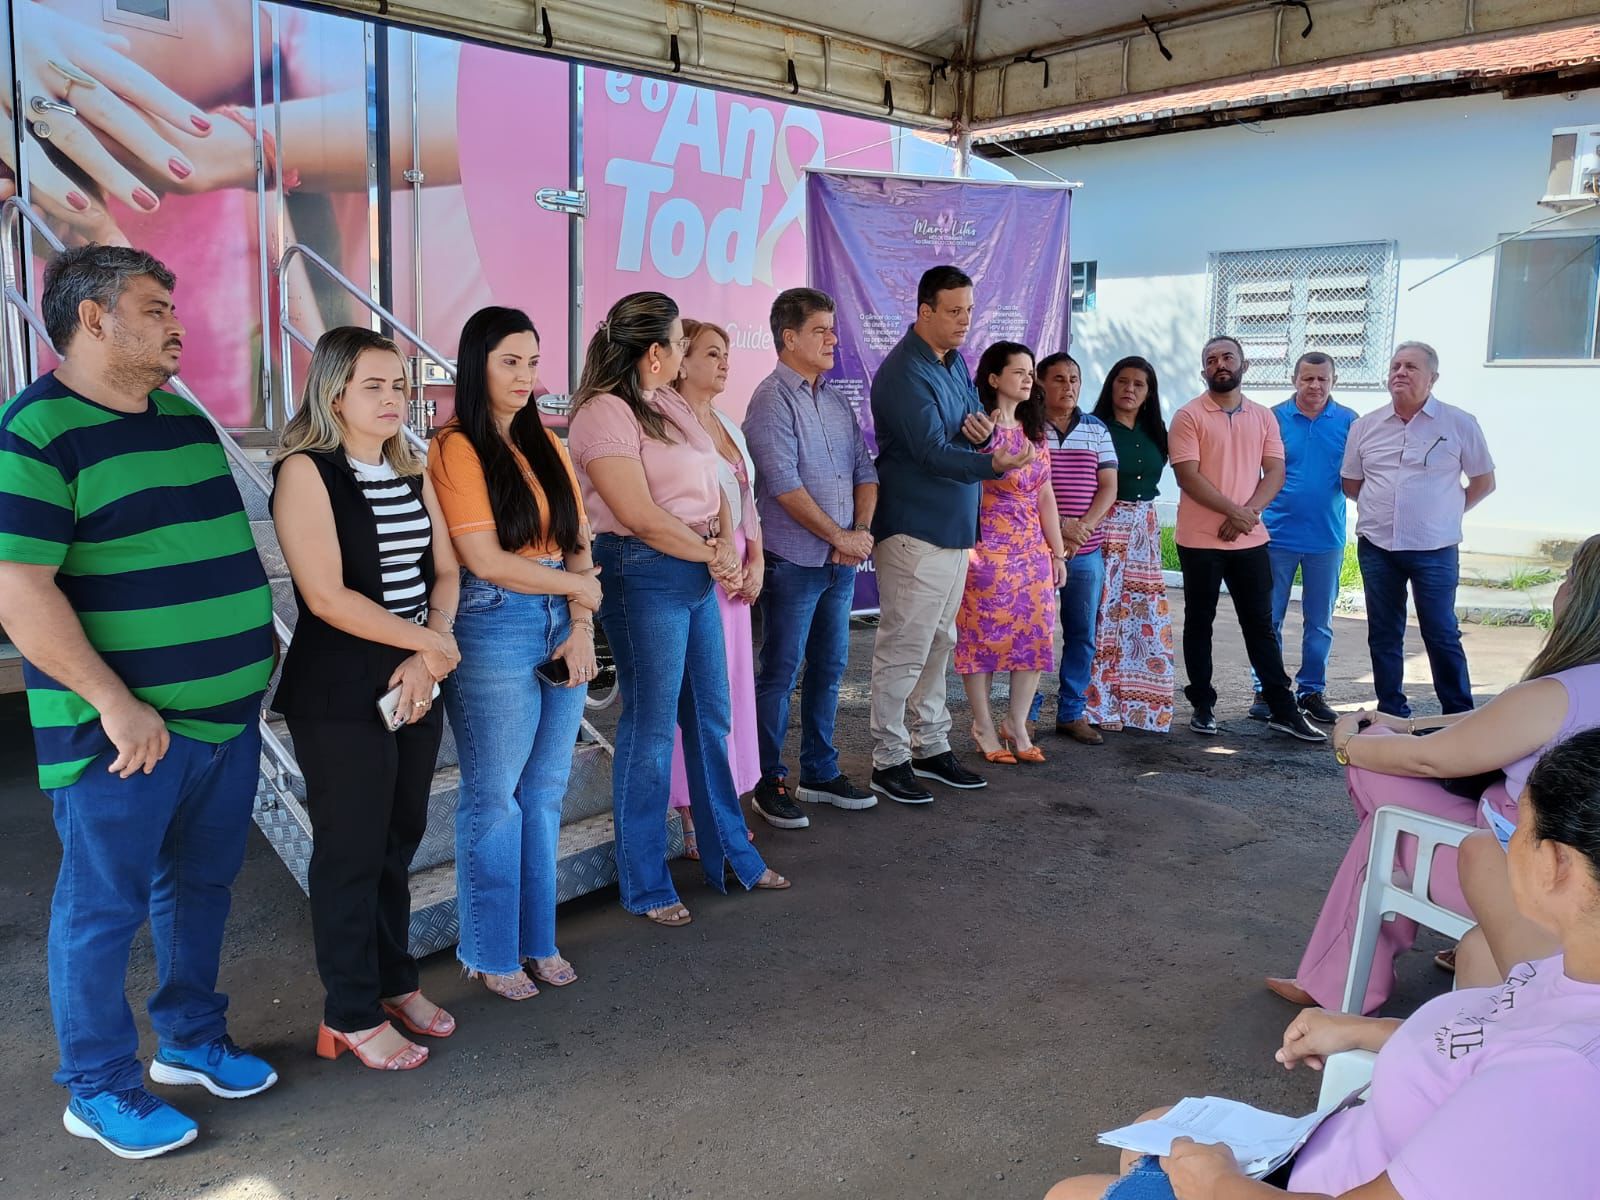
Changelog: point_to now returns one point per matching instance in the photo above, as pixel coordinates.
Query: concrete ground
(952, 1001)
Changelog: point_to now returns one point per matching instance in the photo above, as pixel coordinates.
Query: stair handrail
(16, 348)
(16, 302)
(289, 333)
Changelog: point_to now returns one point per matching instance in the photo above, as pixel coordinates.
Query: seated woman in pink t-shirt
(1559, 695)
(1485, 1092)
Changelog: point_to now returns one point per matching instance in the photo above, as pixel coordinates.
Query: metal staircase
(586, 861)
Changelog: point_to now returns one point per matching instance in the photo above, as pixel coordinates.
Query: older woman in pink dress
(700, 381)
(1007, 616)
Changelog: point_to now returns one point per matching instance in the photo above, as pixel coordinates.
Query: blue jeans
(1080, 611)
(661, 618)
(1432, 576)
(1319, 589)
(805, 617)
(164, 846)
(514, 735)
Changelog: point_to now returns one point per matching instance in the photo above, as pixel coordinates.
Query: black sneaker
(1296, 725)
(947, 769)
(898, 783)
(1203, 721)
(1315, 707)
(771, 800)
(838, 791)
(1260, 710)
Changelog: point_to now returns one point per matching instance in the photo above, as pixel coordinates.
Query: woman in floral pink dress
(1008, 611)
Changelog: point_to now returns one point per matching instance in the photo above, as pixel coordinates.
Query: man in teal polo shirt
(1306, 524)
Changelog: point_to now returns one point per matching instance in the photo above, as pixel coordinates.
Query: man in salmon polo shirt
(1228, 456)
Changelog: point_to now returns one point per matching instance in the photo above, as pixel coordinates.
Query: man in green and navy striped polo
(131, 585)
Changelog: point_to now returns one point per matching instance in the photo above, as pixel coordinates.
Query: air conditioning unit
(1574, 167)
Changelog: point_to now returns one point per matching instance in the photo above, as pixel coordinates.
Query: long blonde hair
(1574, 639)
(315, 425)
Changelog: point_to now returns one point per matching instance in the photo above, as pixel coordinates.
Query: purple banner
(869, 238)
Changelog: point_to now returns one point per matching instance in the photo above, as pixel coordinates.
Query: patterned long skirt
(1130, 683)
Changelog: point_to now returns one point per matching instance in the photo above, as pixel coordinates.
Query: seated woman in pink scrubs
(1486, 1092)
(1559, 695)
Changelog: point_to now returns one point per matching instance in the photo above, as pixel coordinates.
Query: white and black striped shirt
(404, 535)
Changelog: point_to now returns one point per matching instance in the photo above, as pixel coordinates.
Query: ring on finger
(72, 76)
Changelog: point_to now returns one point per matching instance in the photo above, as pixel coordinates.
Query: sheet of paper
(1260, 1141)
(1503, 829)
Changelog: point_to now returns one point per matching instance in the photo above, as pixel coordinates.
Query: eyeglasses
(681, 344)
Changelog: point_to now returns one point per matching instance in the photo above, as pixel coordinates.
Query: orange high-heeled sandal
(1032, 754)
(442, 1025)
(331, 1044)
(1001, 756)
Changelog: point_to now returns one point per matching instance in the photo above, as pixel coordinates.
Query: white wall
(1441, 178)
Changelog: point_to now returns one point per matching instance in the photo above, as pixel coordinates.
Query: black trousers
(1248, 574)
(367, 796)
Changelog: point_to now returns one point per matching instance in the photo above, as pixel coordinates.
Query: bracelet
(448, 618)
(589, 621)
(1341, 754)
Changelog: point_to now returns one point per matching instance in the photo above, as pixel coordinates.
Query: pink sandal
(442, 1025)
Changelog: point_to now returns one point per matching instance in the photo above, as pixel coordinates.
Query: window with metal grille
(1282, 303)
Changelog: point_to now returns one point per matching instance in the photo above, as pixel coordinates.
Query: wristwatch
(858, 527)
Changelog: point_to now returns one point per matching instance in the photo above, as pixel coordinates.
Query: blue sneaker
(1260, 710)
(218, 1066)
(130, 1124)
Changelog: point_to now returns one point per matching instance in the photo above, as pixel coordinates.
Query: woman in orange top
(528, 597)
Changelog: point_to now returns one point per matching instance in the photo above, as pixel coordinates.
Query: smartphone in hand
(554, 671)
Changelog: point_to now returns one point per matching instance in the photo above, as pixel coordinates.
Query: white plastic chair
(1388, 893)
(1343, 1074)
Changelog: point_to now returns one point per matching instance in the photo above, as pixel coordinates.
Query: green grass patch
(1169, 549)
(1523, 578)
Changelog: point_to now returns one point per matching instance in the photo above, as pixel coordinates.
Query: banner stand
(870, 236)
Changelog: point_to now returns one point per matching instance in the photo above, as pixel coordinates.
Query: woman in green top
(1130, 684)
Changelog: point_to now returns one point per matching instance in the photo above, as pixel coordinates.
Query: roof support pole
(967, 77)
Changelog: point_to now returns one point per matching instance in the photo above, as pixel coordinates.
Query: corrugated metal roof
(1485, 58)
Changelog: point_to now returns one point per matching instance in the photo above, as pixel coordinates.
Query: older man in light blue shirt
(816, 490)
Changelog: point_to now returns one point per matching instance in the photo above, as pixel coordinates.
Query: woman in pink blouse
(663, 542)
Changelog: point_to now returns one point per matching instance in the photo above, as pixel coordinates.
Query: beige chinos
(919, 590)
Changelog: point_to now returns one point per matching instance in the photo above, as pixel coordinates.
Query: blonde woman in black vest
(376, 584)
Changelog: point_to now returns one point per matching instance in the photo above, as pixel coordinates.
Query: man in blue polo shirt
(1306, 524)
(931, 430)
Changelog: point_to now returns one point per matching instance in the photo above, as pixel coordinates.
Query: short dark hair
(1222, 337)
(793, 307)
(93, 272)
(940, 279)
(1054, 360)
(1317, 359)
(1564, 790)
